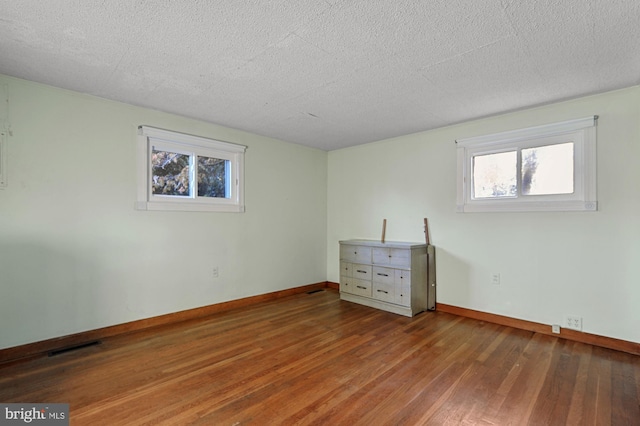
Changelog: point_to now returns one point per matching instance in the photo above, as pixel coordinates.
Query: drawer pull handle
(359, 286)
(361, 271)
(383, 275)
(382, 291)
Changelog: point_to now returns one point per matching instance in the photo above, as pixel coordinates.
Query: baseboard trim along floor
(576, 336)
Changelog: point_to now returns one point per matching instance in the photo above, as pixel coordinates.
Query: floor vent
(315, 291)
(74, 348)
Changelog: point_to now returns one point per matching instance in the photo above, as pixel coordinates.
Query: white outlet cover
(573, 322)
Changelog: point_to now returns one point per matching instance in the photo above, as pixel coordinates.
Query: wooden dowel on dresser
(426, 231)
(384, 229)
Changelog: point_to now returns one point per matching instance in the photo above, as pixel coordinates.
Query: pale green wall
(551, 264)
(75, 255)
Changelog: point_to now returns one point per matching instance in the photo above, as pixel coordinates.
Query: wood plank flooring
(313, 359)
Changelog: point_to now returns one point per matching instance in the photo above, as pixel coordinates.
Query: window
(3, 161)
(544, 168)
(184, 172)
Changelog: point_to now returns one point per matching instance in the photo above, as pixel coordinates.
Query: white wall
(75, 255)
(552, 264)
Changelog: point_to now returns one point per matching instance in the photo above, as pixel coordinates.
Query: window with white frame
(544, 168)
(177, 171)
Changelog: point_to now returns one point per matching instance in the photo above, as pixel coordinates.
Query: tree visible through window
(212, 177)
(548, 169)
(494, 175)
(170, 173)
(544, 170)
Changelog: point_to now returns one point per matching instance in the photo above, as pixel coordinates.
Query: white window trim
(188, 144)
(3, 160)
(582, 132)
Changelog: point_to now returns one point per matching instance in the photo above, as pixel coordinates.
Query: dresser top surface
(387, 244)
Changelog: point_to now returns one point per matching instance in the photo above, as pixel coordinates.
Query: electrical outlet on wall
(573, 322)
(495, 278)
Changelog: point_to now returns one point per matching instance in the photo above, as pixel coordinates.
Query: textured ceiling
(330, 73)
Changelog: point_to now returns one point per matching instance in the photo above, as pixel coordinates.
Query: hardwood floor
(313, 359)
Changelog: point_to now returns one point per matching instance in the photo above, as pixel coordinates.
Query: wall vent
(73, 348)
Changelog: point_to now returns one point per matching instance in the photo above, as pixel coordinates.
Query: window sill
(159, 206)
(528, 206)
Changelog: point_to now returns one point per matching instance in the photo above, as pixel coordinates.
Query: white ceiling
(330, 73)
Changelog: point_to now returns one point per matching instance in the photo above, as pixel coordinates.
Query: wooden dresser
(394, 276)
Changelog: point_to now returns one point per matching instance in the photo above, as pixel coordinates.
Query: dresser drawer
(402, 277)
(384, 292)
(383, 275)
(402, 295)
(346, 284)
(345, 269)
(392, 257)
(361, 287)
(355, 254)
(362, 272)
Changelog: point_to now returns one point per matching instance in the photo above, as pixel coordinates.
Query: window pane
(213, 177)
(494, 175)
(548, 169)
(170, 173)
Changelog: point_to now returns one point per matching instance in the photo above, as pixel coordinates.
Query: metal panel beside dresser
(393, 276)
